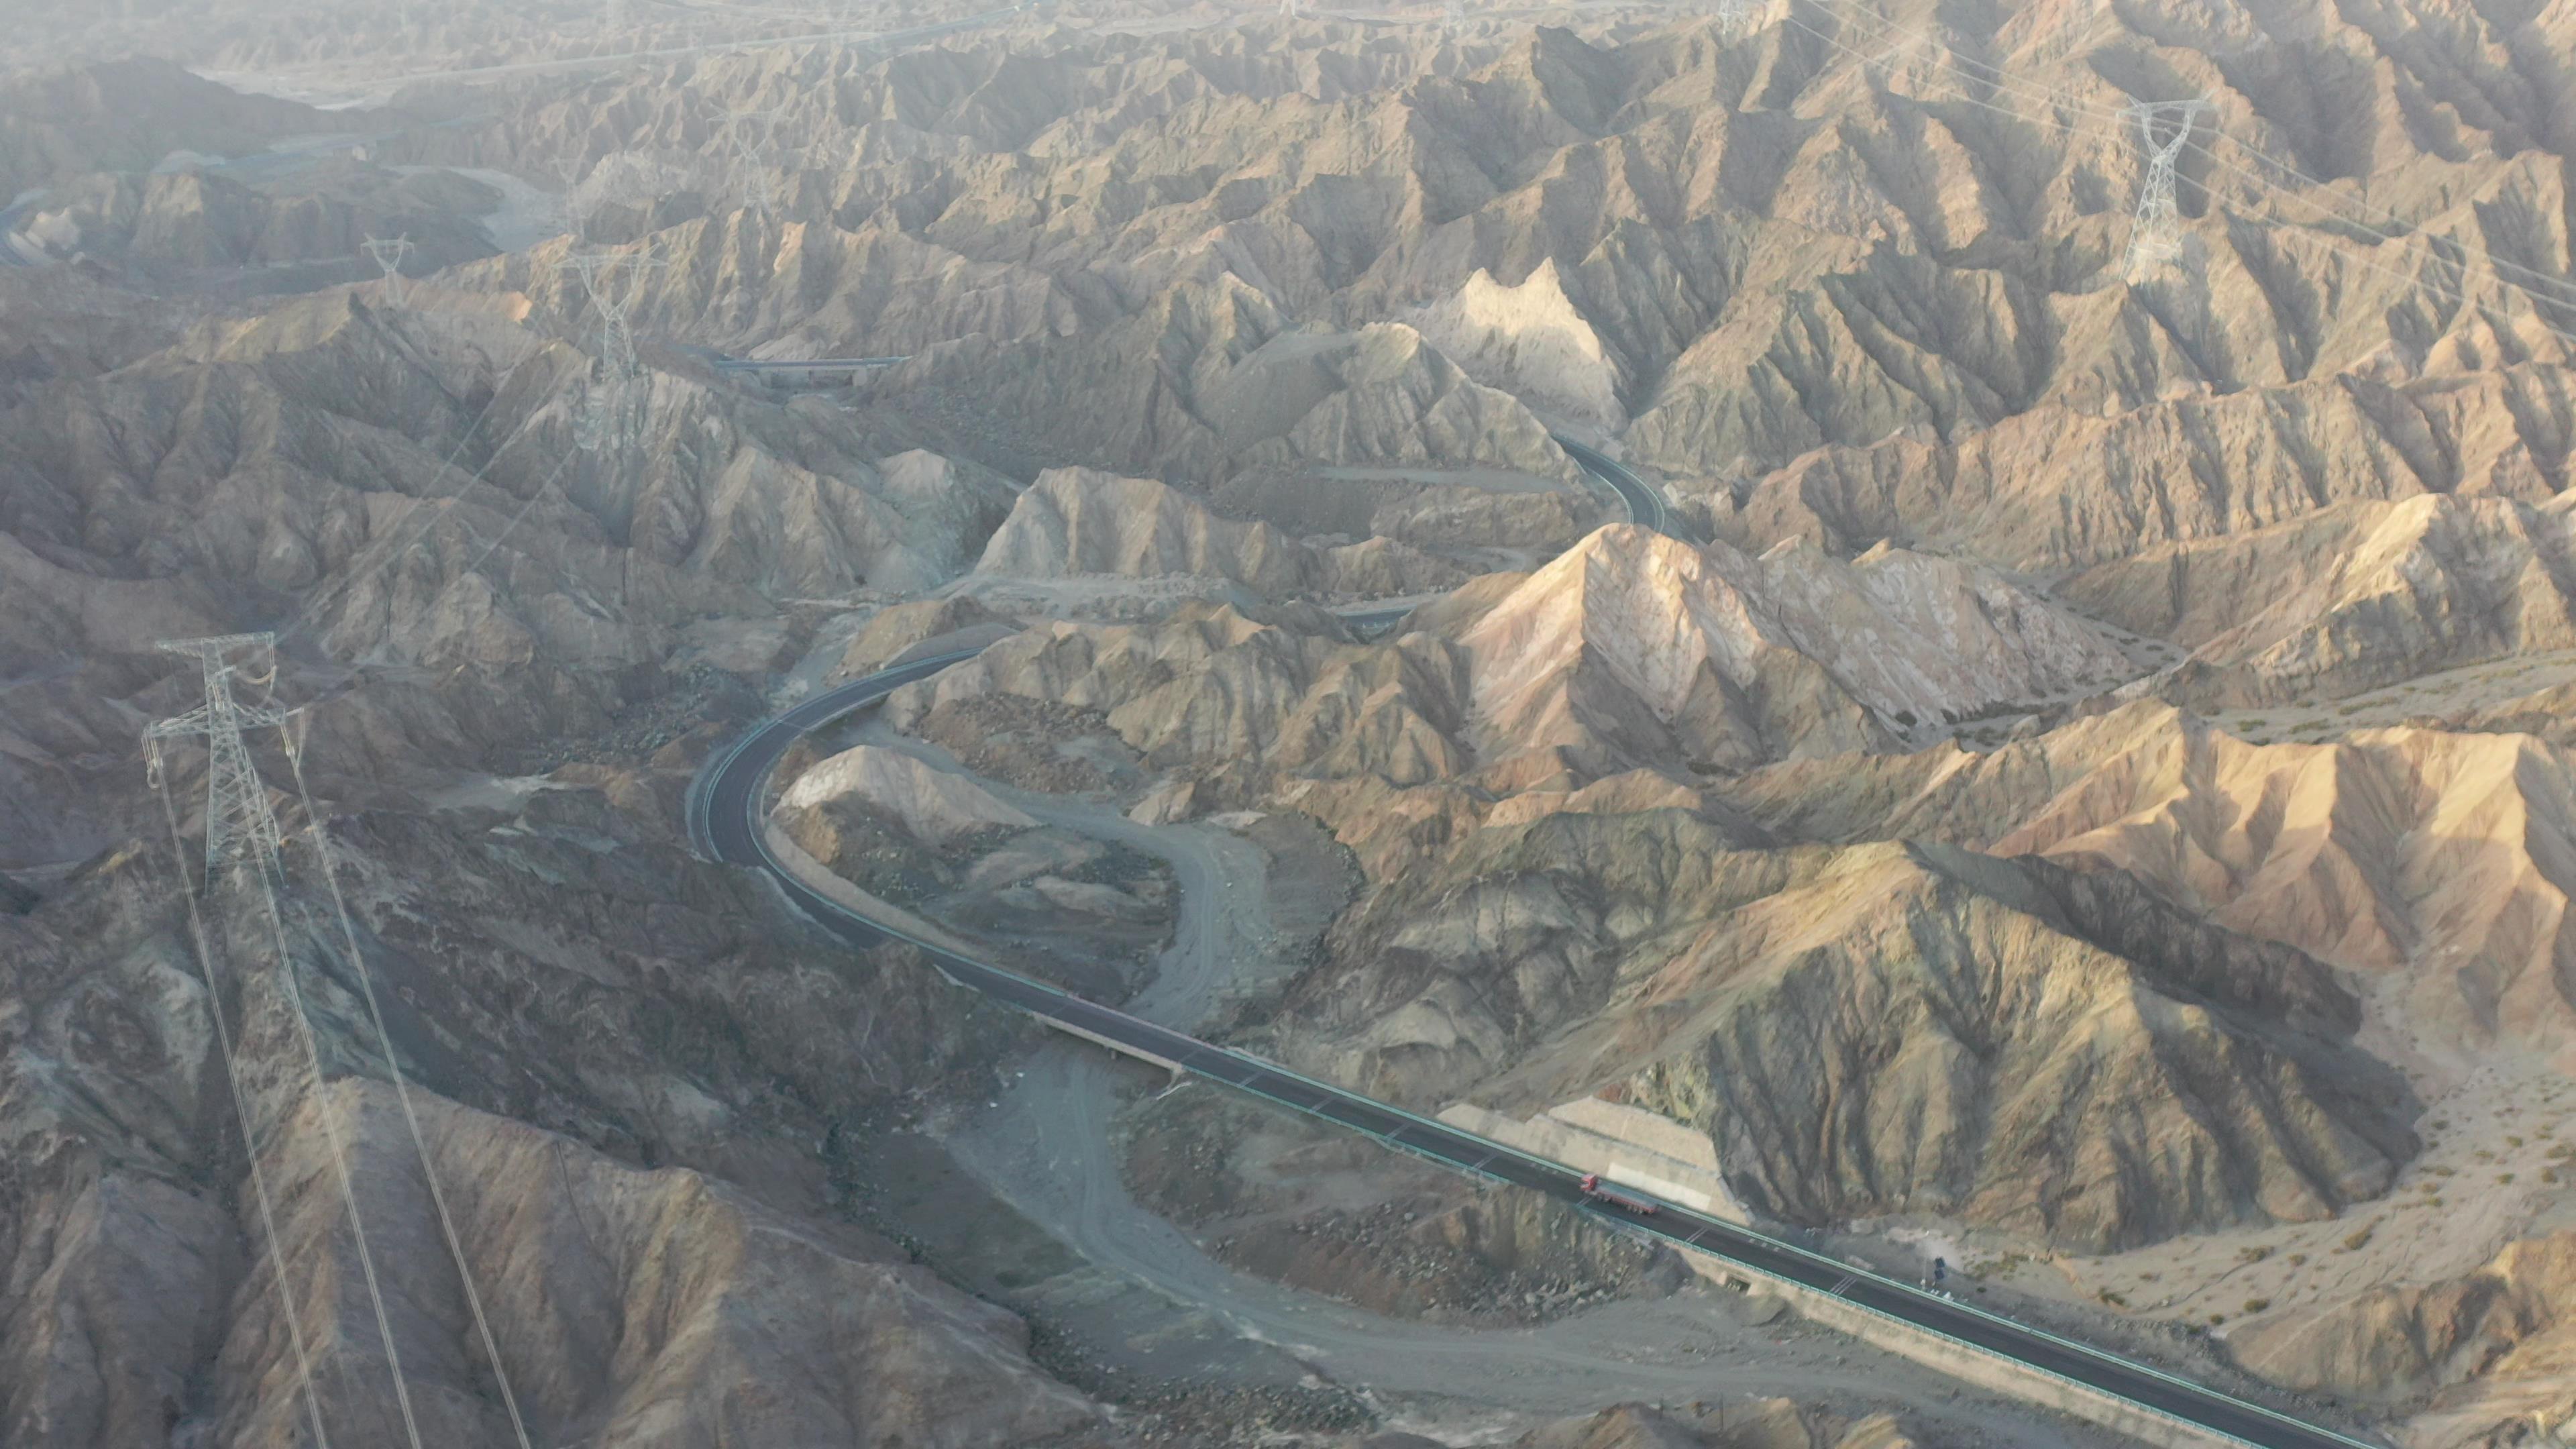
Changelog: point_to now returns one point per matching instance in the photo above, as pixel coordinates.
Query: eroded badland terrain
(2054, 754)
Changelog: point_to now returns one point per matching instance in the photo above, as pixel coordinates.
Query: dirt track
(1154, 1302)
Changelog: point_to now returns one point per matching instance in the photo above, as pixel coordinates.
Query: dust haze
(1941, 633)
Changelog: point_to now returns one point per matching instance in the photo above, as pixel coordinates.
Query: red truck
(1592, 1188)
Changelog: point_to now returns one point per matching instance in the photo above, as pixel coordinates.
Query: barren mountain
(1869, 1030)
(1880, 301)
(2473, 1350)
(1073, 521)
(2347, 598)
(202, 488)
(1760, 1424)
(1265, 312)
(646, 1219)
(1632, 649)
(2437, 861)
(1637, 648)
(127, 115)
(195, 222)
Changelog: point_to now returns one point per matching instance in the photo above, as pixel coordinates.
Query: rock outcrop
(662, 1257)
(1758, 1424)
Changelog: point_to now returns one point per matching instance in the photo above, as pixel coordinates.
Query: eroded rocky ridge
(2434, 861)
(1775, 1423)
(1832, 299)
(1632, 649)
(204, 488)
(2346, 599)
(1076, 521)
(2491, 1345)
(626, 1079)
(1872, 1029)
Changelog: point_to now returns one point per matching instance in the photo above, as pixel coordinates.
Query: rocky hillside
(621, 1069)
(1266, 313)
(404, 486)
(2493, 1344)
(196, 222)
(1872, 1029)
(2347, 598)
(1632, 649)
(1074, 521)
(2435, 862)
(1636, 648)
(127, 115)
(1774, 1423)
(1835, 299)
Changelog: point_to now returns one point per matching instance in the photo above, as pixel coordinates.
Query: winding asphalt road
(1645, 501)
(725, 822)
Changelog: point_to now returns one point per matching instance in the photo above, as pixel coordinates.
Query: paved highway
(725, 824)
(1645, 501)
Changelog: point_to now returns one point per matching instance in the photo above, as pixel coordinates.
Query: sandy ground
(526, 215)
(2499, 1164)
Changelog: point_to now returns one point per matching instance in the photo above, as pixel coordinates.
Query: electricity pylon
(612, 415)
(1290, 8)
(752, 136)
(2165, 126)
(389, 254)
(1737, 14)
(573, 168)
(239, 825)
(1453, 15)
(242, 834)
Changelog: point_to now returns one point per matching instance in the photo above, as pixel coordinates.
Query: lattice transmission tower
(390, 254)
(2166, 127)
(240, 829)
(612, 414)
(752, 136)
(242, 837)
(1737, 15)
(1453, 15)
(574, 168)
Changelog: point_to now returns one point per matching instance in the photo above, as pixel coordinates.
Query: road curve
(725, 823)
(1645, 501)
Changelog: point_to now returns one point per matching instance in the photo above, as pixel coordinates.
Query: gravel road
(1044, 1145)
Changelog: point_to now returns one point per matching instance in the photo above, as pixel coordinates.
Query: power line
(241, 1104)
(304, 612)
(612, 416)
(2155, 237)
(2004, 81)
(390, 254)
(2457, 296)
(402, 1088)
(241, 833)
